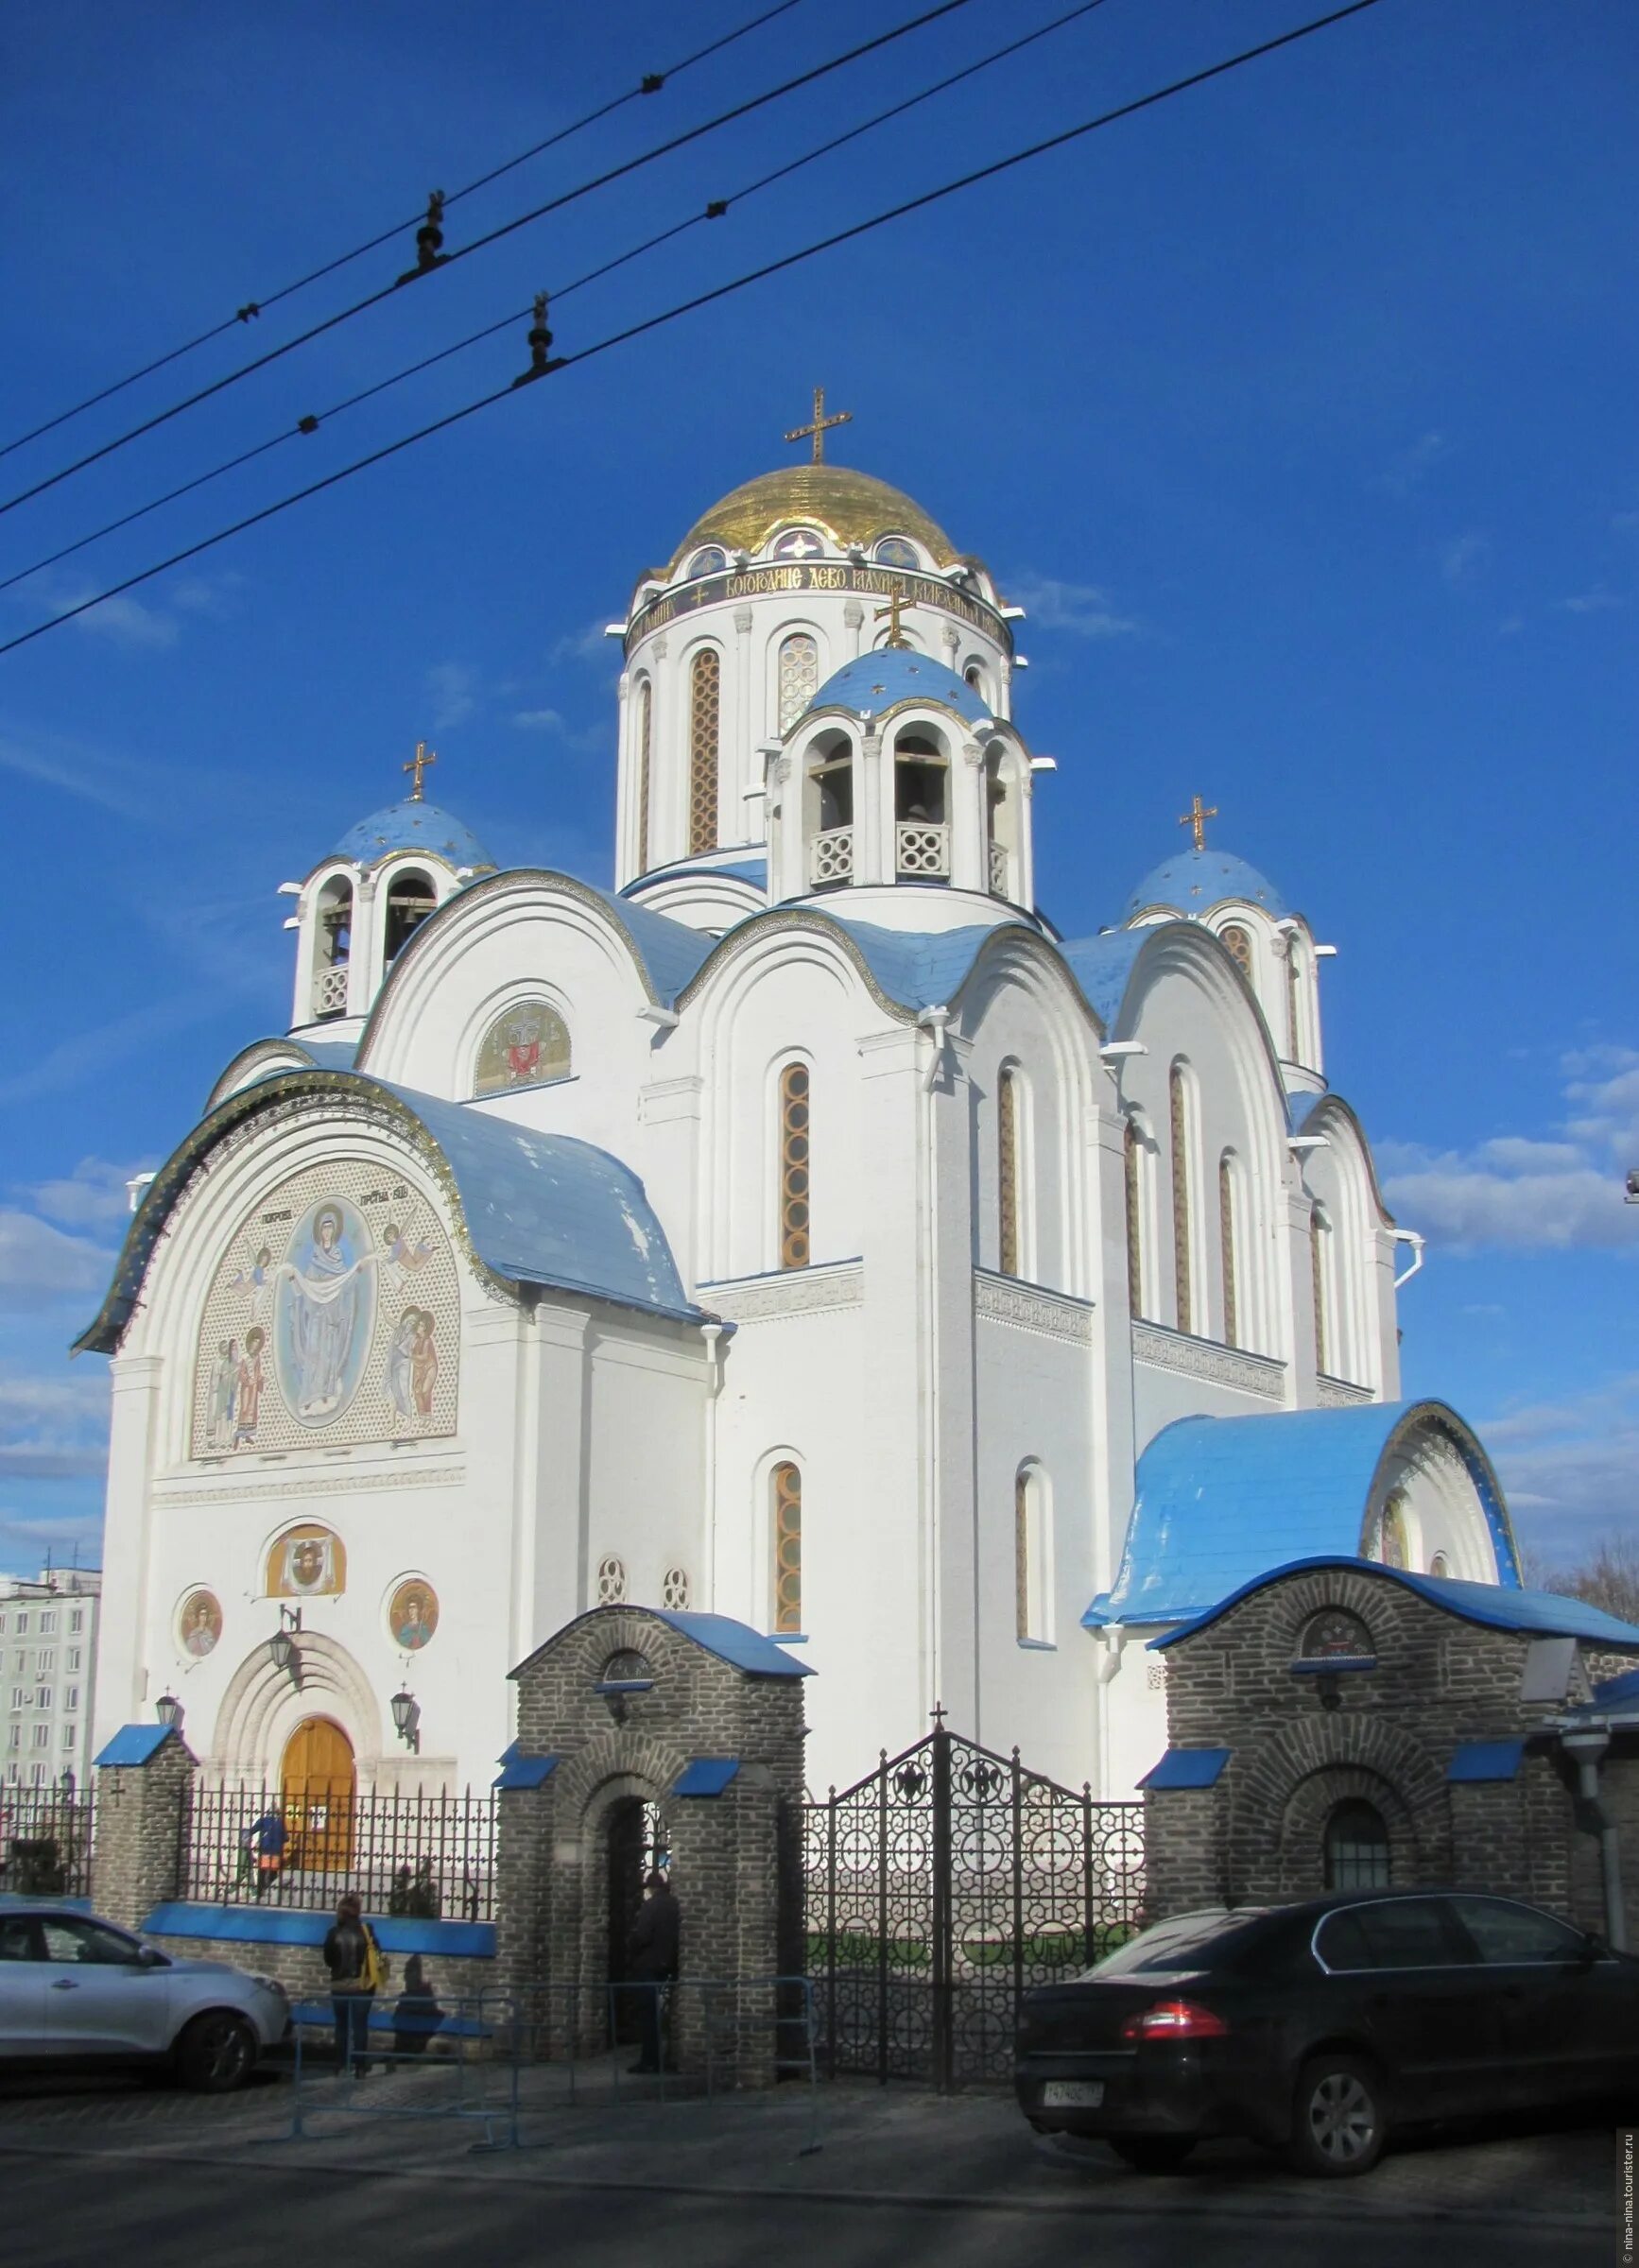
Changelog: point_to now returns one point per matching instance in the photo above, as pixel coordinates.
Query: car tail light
(1175, 2019)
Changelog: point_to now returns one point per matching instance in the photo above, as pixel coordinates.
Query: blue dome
(1195, 880)
(873, 682)
(411, 826)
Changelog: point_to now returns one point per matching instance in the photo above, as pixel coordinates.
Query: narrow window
(1179, 1103)
(1022, 1551)
(332, 947)
(787, 1486)
(1032, 1556)
(409, 901)
(1356, 1847)
(645, 734)
(1240, 948)
(1226, 1221)
(1439, 1565)
(1007, 1174)
(799, 676)
(794, 1166)
(1129, 1143)
(1317, 1233)
(705, 705)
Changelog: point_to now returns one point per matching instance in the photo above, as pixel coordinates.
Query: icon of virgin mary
(327, 1306)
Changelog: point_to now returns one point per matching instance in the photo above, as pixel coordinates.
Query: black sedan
(1316, 2028)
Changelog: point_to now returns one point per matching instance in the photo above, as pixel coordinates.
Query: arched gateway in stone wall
(648, 1735)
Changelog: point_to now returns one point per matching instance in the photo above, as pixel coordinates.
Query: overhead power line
(508, 228)
(712, 211)
(709, 298)
(650, 83)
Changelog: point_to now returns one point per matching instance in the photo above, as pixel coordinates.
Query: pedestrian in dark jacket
(347, 1956)
(652, 1964)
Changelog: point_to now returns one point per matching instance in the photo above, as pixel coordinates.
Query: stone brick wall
(142, 1814)
(735, 1857)
(1438, 1682)
(301, 1971)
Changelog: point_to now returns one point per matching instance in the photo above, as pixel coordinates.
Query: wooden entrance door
(319, 1786)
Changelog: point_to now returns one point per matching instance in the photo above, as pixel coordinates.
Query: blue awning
(527, 1771)
(135, 1744)
(1187, 1768)
(706, 1775)
(1486, 1759)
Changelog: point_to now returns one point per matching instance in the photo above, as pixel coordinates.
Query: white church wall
(1132, 1711)
(645, 1460)
(1160, 1394)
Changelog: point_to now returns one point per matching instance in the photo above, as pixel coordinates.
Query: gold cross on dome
(897, 605)
(424, 756)
(821, 426)
(1197, 817)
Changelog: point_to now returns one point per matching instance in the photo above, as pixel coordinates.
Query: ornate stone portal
(648, 1738)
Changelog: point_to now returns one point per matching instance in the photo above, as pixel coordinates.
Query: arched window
(1032, 1556)
(786, 1486)
(1001, 826)
(799, 676)
(1439, 1565)
(1226, 1229)
(410, 898)
(1335, 1635)
(893, 551)
(794, 1165)
(1356, 1847)
(674, 1590)
(610, 1581)
(705, 711)
(1130, 1144)
(1007, 1172)
(644, 738)
(828, 811)
(1177, 1103)
(332, 947)
(921, 847)
(1320, 1271)
(1294, 1019)
(1241, 947)
(712, 561)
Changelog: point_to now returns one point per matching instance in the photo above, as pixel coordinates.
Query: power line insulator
(718, 207)
(653, 82)
(539, 346)
(248, 312)
(308, 424)
(429, 240)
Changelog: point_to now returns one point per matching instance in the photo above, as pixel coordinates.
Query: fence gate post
(943, 2038)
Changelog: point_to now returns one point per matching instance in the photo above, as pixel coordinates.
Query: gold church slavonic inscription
(334, 1318)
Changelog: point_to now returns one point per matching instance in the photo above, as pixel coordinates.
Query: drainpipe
(713, 1335)
(1585, 1749)
(934, 1020)
(1409, 1236)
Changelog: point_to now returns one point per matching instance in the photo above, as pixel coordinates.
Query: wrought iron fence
(429, 1856)
(45, 1841)
(943, 1886)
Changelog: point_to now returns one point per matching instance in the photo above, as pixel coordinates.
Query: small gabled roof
(1494, 1606)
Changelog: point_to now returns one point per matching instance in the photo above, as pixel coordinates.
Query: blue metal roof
(729, 1640)
(752, 868)
(1187, 1768)
(524, 1771)
(539, 1208)
(706, 1775)
(1220, 1499)
(136, 1744)
(1494, 1606)
(1103, 966)
(1617, 1693)
(872, 683)
(1486, 1759)
(1194, 880)
(412, 826)
(671, 952)
(920, 968)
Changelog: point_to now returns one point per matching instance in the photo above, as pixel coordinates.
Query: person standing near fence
(357, 1967)
(656, 1936)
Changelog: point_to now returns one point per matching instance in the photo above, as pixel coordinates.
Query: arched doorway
(1356, 1847)
(318, 1788)
(634, 1846)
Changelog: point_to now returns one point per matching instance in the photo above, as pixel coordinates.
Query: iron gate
(939, 1888)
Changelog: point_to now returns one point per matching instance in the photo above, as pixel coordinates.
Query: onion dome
(851, 507)
(413, 825)
(873, 683)
(1193, 881)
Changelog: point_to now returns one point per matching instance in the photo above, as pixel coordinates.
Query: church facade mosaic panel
(526, 1045)
(200, 1623)
(309, 1562)
(333, 1317)
(412, 1613)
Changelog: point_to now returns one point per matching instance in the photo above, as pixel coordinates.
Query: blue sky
(1297, 412)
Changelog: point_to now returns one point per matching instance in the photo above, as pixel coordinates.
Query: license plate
(1072, 2094)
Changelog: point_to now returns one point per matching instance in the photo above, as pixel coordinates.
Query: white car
(72, 1990)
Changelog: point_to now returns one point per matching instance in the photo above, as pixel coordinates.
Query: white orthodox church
(801, 1231)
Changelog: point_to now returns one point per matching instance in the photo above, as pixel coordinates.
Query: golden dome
(850, 506)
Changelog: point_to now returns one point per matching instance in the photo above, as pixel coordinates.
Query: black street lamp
(169, 1712)
(282, 1646)
(406, 1719)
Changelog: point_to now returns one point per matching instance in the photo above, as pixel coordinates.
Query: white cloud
(1464, 557)
(538, 720)
(1524, 1194)
(54, 1429)
(93, 1195)
(1413, 466)
(1598, 601)
(126, 622)
(1570, 1469)
(1081, 609)
(77, 772)
(588, 644)
(454, 691)
(38, 1263)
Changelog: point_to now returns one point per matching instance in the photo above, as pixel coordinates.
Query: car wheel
(216, 2053)
(1337, 2117)
(1151, 2153)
